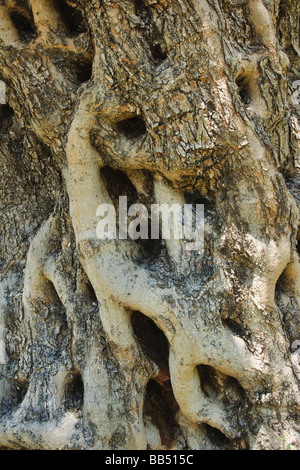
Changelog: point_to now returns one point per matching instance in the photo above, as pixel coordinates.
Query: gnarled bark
(119, 344)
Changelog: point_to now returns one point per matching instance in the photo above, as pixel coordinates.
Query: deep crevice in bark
(195, 197)
(141, 9)
(161, 407)
(153, 37)
(217, 438)
(133, 127)
(118, 184)
(19, 390)
(151, 249)
(25, 26)
(235, 327)
(243, 84)
(226, 390)
(71, 17)
(6, 118)
(84, 72)
(74, 67)
(160, 404)
(154, 344)
(159, 53)
(74, 392)
(210, 380)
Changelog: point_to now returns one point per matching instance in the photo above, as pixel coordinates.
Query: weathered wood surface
(123, 345)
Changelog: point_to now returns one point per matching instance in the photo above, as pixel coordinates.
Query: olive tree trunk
(143, 344)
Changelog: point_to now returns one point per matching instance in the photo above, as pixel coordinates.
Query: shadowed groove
(118, 184)
(217, 438)
(71, 17)
(153, 37)
(161, 407)
(234, 327)
(243, 84)
(74, 392)
(133, 127)
(160, 404)
(25, 26)
(154, 344)
(6, 118)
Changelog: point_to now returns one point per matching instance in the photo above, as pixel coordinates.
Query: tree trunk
(141, 344)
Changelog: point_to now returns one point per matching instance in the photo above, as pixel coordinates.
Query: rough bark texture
(130, 345)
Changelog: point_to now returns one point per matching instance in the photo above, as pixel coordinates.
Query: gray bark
(129, 345)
